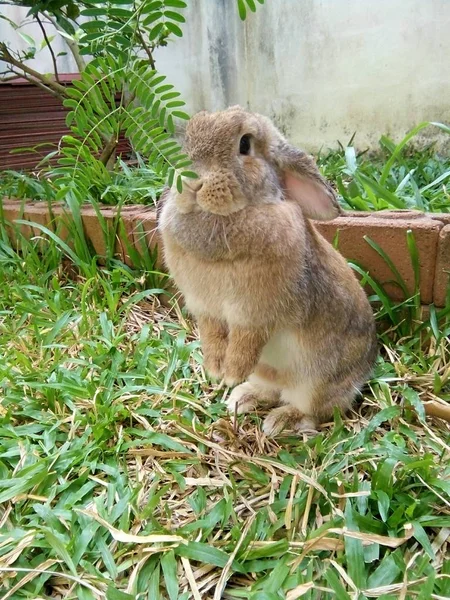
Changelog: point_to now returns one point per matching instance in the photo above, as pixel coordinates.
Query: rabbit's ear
(304, 184)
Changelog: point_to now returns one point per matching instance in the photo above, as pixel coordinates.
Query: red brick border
(387, 229)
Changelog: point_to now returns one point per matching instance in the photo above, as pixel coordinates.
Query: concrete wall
(322, 69)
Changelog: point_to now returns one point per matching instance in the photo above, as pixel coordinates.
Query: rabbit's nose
(196, 184)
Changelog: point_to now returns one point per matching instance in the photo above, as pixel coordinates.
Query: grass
(122, 476)
(397, 176)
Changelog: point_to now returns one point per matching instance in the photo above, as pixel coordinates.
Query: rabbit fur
(280, 313)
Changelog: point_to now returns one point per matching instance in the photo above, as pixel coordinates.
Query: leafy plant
(394, 178)
(119, 93)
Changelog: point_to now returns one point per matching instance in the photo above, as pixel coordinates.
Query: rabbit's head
(242, 159)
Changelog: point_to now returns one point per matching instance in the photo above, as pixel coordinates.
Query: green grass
(122, 476)
(396, 176)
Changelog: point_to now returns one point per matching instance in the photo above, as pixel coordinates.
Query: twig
(73, 46)
(44, 33)
(15, 76)
(147, 49)
(35, 82)
(5, 55)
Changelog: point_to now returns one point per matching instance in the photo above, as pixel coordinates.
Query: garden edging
(387, 229)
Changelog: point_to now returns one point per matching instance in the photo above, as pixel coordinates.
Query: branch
(146, 48)
(57, 88)
(44, 33)
(17, 75)
(109, 149)
(73, 46)
(111, 144)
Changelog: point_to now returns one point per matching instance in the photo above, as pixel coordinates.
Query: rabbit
(281, 315)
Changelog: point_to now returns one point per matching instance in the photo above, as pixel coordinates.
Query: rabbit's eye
(244, 145)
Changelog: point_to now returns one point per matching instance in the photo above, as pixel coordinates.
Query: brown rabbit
(277, 306)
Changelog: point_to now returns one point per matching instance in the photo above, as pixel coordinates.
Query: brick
(35, 212)
(386, 228)
(146, 233)
(95, 234)
(443, 217)
(11, 212)
(442, 274)
(390, 235)
(51, 217)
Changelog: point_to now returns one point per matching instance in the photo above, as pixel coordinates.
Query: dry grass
(122, 475)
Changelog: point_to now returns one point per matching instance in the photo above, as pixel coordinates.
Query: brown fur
(251, 265)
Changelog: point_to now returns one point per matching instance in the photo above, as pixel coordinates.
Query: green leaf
(354, 551)
(170, 177)
(152, 18)
(59, 545)
(175, 3)
(385, 574)
(114, 594)
(242, 9)
(422, 538)
(384, 503)
(94, 12)
(206, 554)
(336, 585)
(154, 584)
(170, 14)
(387, 259)
(27, 38)
(398, 150)
(169, 568)
(181, 115)
(380, 191)
(268, 550)
(413, 399)
(415, 260)
(154, 33)
(174, 29)
(382, 479)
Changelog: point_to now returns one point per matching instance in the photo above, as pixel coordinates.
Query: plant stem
(147, 49)
(44, 33)
(109, 149)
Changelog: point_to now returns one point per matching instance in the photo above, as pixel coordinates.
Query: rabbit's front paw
(214, 367)
(235, 373)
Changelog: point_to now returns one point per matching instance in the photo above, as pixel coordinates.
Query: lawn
(123, 476)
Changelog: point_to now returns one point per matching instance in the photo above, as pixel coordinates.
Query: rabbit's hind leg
(305, 407)
(251, 395)
(295, 413)
(288, 417)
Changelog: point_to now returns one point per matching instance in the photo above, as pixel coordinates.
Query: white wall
(43, 61)
(321, 68)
